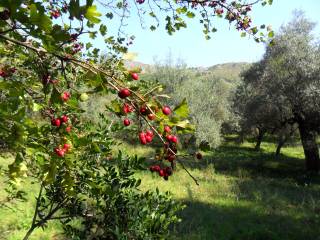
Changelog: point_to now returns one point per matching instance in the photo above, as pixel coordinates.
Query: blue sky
(226, 45)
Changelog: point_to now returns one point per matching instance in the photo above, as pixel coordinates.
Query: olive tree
(288, 78)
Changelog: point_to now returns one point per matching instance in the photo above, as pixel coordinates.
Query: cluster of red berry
(163, 172)
(76, 48)
(65, 96)
(61, 151)
(55, 13)
(140, 1)
(235, 12)
(145, 137)
(57, 121)
(60, 121)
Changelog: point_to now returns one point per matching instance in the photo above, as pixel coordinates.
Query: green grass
(243, 195)
(15, 219)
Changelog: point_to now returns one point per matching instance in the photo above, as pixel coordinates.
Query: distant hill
(228, 71)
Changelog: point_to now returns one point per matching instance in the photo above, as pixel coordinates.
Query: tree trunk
(259, 139)
(280, 145)
(310, 148)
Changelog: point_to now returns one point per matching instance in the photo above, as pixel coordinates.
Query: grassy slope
(243, 195)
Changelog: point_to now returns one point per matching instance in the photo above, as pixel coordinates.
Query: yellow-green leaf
(92, 14)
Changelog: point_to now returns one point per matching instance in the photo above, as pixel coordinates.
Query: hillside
(228, 71)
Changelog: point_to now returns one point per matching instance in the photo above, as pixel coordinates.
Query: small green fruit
(84, 97)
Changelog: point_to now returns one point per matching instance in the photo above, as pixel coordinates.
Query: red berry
(68, 129)
(56, 122)
(167, 129)
(3, 73)
(135, 76)
(157, 168)
(66, 147)
(64, 118)
(148, 138)
(59, 152)
(123, 93)
(171, 157)
(169, 137)
(127, 108)
(162, 173)
(140, 1)
(166, 110)
(142, 138)
(65, 96)
(126, 122)
(143, 110)
(151, 116)
(219, 11)
(55, 14)
(149, 133)
(174, 139)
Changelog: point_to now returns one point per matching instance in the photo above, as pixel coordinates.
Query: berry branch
(126, 92)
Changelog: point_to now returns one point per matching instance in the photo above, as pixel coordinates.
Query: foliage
(209, 95)
(47, 70)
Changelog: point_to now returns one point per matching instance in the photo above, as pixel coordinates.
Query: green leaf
(185, 127)
(152, 14)
(88, 45)
(93, 35)
(115, 107)
(40, 19)
(36, 107)
(181, 10)
(190, 14)
(271, 34)
(92, 14)
(254, 30)
(182, 110)
(103, 29)
(109, 15)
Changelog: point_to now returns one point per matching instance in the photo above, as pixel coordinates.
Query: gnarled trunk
(310, 148)
(259, 138)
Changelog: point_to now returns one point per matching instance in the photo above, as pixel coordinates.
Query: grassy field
(243, 195)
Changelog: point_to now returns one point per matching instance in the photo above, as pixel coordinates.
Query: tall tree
(290, 80)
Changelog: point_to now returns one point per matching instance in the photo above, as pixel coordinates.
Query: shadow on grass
(236, 222)
(232, 159)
